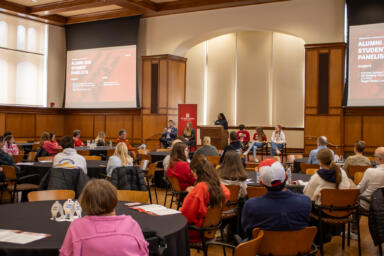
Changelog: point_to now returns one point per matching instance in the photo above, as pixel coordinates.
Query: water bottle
(78, 209)
(257, 177)
(110, 144)
(289, 172)
(69, 209)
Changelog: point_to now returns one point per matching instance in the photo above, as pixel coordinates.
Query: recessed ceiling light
(35, 1)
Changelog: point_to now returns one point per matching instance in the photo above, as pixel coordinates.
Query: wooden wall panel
(49, 123)
(336, 77)
(99, 124)
(352, 129)
(373, 130)
(324, 125)
(176, 83)
(311, 78)
(2, 123)
(21, 125)
(146, 101)
(163, 86)
(84, 123)
(137, 129)
(114, 123)
(153, 124)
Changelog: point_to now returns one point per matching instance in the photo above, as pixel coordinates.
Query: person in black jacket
(235, 145)
(221, 120)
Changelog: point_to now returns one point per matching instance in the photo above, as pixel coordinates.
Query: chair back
(287, 243)
(342, 199)
(142, 152)
(133, 196)
(96, 158)
(174, 183)
(311, 171)
(234, 197)
(151, 171)
(35, 146)
(110, 152)
(212, 219)
(163, 149)
(9, 174)
(256, 191)
(47, 195)
(45, 158)
(145, 157)
(250, 165)
(83, 152)
(375, 218)
(358, 177)
(18, 158)
(31, 156)
(352, 169)
(305, 166)
(214, 160)
(250, 247)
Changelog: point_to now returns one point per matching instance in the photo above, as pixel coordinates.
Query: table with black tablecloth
(35, 217)
(95, 169)
(97, 151)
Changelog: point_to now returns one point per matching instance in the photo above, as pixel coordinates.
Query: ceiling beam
(65, 6)
(13, 7)
(139, 5)
(101, 16)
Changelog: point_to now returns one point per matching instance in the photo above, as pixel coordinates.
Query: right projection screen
(366, 65)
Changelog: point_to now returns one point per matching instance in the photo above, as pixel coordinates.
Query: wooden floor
(332, 248)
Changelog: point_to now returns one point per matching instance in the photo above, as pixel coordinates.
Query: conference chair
(175, 192)
(358, 176)
(110, 152)
(311, 171)
(305, 166)
(352, 169)
(48, 195)
(231, 209)
(95, 158)
(45, 159)
(14, 183)
(18, 158)
(35, 146)
(133, 196)
(256, 191)
(83, 152)
(31, 156)
(143, 157)
(214, 160)
(287, 243)
(149, 177)
(339, 205)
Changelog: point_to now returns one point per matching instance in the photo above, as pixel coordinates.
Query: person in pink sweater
(9, 146)
(101, 232)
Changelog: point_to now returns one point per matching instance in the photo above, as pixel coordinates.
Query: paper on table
(156, 209)
(25, 163)
(20, 237)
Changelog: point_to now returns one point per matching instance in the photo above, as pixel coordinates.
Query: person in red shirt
(243, 135)
(207, 192)
(179, 167)
(123, 138)
(76, 138)
(259, 141)
(49, 144)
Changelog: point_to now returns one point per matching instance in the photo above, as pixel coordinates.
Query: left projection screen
(101, 78)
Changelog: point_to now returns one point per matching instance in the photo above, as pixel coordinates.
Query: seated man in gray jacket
(69, 157)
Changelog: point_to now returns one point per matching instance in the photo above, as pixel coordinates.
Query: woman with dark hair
(49, 144)
(232, 172)
(189, 135)
(221, 120)
(9, 145)
(207, 192)
(179, 167)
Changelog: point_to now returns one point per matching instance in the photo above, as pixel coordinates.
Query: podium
(219, 136)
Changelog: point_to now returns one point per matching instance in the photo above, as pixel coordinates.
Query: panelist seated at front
(169, 134)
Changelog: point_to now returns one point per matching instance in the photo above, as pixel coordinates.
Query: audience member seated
(69, 157)
(49, 144)
(235, 145)
(9, 145)
(279, 209)
(357, 159)
(243, 135)
(100, 139)
(6, 134)
(328, 176)
(259, 140)
(167, 158)
(5, 159)
(179, 167)
(207, 149)
(373, 178)
(169, 134)
(189, 135)
(221, 120)
(76, 138)
(277, 140)
(207, 192)
(120, 158)
(123, 138)
(232, 172)
(321, 144)
(101, 232)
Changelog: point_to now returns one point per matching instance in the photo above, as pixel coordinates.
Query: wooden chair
(133, 196)
(358, 177)
(163, 149)
(252, 165)
(149, 176)
(352, 169)
(305, 166)
(256, 191)
(18, 158)
(176, 192)
(214, 160)
(144, 157)
(31, 156)
(95, 158)
(110, 152)
(45, 158)
(339, 205)
(142, 152)
(14, 183)
(35, 146)
(287, 243)
(47, 195)
(311, 171)
(83, 152)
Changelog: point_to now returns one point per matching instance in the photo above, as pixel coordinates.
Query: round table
(35, 217)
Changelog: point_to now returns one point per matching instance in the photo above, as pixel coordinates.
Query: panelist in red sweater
(76, 138)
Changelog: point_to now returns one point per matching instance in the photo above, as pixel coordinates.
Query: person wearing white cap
(279, 209)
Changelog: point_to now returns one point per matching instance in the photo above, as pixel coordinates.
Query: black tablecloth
(95, 169)
(158, 156)
(35, 217)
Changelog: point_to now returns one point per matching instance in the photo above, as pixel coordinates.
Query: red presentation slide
(101, 78)
(366, 65)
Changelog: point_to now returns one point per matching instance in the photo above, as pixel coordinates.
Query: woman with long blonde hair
(119, 159)
(100, 139)
(189, 135)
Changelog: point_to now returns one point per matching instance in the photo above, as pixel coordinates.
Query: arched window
(3, 33)
(26, 83)
(32, 40)
(4, 81)
(20, 37)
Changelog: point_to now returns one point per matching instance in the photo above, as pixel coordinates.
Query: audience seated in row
(120, 158)
(208, 191)
(279, 209)
(234, 145)
(169, 134)
(49, 144)
(167, 158)
(207, 149)
(358, 159)
(69, 157)
(259, 140)
(101, 232)
(321, 144)
(9, 145)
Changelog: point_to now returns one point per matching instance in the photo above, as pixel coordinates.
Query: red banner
(187, 113)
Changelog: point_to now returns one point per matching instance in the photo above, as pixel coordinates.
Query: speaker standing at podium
(221, 120)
